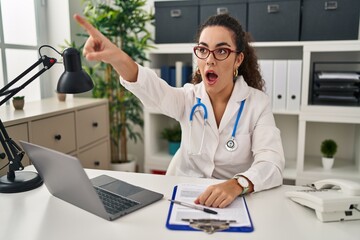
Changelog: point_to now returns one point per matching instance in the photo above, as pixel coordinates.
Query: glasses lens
(202, 52)
(221, 53)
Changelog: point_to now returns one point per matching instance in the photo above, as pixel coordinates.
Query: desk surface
(37, 215)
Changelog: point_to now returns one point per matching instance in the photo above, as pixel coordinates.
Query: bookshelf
(302, 129)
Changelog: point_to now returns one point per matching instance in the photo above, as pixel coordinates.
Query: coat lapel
(202, 94)
(240, 92)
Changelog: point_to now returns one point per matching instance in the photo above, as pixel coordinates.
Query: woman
(239, 140)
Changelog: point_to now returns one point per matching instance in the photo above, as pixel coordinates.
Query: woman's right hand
(100, 48)
(97, 46)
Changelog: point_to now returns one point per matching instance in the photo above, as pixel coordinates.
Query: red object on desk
(160, 172)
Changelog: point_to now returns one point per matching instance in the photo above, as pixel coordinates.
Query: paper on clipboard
(188, 192)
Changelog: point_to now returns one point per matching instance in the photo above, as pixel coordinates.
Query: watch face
(243, 182)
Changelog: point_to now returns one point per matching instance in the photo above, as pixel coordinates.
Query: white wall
(58, 30)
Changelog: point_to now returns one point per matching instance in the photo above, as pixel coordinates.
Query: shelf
(293, 113)
(290, 169)
(316, 46)
(313, 46)
(343, 168)
(278, 44)
(303, 130)
(332, 46)
(331, 114)
(173, 48)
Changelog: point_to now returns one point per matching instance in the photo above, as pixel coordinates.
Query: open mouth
(211, 77)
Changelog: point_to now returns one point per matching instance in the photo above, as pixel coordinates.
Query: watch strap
(244, 189)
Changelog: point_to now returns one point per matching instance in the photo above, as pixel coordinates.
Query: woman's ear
(239, 59)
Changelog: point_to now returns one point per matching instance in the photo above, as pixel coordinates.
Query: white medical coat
(259, 155)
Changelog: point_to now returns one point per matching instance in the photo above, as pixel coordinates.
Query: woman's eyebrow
(223, 44)
(202, 43)
(217, 45)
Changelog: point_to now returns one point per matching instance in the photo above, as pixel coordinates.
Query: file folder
(293, 85)
(266, 69)
(279, 85)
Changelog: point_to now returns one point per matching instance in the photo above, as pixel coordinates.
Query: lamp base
(24, 181)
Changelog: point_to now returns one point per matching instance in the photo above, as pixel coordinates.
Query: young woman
(228, 129)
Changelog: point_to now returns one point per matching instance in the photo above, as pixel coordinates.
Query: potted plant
(328, 150)
(125, 24)
(173, 136)
(61, 96)
(18, 102)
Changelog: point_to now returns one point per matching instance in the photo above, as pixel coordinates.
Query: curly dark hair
(249, 68)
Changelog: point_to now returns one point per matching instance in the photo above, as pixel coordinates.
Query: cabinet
(78, 127)
(302, 128)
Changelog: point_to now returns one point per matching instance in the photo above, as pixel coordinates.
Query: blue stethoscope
(231, 144)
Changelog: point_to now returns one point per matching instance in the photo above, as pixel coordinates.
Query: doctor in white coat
(228, 129)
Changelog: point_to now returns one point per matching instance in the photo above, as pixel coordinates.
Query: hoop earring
(197, 72)
(236, 72)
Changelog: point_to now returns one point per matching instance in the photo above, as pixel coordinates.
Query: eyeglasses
(218, 53)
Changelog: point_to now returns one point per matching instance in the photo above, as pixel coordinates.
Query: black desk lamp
(73, 80)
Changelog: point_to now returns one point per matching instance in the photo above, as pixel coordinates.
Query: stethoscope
(231, 144)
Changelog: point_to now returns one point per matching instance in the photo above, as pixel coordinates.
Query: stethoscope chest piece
(231, 145)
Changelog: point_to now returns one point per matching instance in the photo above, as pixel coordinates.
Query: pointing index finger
(87, 26)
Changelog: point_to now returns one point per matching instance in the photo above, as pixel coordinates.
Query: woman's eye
(203, 50)
(221, 51)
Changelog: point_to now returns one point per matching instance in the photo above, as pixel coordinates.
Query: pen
(207, 210)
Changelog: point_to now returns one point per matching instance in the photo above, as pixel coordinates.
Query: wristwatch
(243, 182)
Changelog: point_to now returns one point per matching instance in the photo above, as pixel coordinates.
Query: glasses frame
(212, 51)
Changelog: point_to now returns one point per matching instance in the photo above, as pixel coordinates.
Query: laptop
(103, 196)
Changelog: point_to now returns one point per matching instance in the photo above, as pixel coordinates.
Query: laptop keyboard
(114, 203)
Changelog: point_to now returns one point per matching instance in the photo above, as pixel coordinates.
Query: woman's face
(218, 75)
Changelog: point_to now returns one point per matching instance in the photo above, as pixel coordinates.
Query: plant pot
(129, 166)
(61, 97)
(327, 163)
(18, 104)
(173, 147)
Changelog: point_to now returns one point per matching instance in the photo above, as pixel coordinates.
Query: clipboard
(186, 226)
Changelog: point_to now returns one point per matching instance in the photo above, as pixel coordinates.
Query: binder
(267, 69)
(178, 73)
(280, 75)
(248, 227)
(182, 73)
(186, 74)
(293, 85)
(168, 74)
(172, 77)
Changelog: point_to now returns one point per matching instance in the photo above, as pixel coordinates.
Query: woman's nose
(210, 60)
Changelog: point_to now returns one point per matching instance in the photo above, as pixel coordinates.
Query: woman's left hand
(220, 195)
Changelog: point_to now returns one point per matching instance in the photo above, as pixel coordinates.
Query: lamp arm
(47, 62)
(13, 151)
(73, 80)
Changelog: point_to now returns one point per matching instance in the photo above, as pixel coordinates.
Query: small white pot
(61, 97)
(327, 163)
(129, 166)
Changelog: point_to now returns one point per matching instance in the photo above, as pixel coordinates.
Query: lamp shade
(74, 79)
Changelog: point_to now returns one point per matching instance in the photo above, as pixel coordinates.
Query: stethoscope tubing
(198, 104)
(238, 118)
(232, 139)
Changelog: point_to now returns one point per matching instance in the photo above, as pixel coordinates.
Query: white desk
(37, 215)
